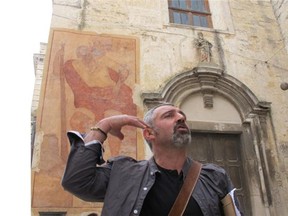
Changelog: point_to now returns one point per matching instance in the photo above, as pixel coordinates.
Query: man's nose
(180, 118)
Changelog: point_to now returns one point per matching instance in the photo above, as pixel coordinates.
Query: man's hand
(113, 125)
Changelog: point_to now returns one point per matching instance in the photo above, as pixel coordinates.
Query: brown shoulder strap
(185, 193)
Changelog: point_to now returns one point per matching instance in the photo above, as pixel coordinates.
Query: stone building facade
(280, 9)
(229, 89)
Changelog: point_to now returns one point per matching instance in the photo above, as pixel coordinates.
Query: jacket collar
(154, 169)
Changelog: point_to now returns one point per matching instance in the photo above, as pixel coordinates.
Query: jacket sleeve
(226, 187)
(82, 177)
(231, 189)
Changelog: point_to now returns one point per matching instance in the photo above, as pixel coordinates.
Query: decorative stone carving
(205, 48)
(208, 99)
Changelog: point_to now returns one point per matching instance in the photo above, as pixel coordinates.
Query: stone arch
(256, 126)
(208, 78)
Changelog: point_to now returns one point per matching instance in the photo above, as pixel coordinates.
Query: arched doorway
(230, 125)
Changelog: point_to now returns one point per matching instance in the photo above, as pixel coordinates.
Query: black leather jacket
(123, 183)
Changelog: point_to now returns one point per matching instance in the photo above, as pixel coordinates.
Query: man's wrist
(95, 135)
(100, 130)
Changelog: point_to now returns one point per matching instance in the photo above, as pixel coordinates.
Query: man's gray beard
(181, 140)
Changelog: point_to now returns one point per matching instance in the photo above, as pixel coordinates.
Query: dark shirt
(162, 195)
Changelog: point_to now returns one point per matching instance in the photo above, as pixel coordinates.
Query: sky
(24, 24)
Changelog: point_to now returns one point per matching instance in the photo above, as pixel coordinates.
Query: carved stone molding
(208, 78)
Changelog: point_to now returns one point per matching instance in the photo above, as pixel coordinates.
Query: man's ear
(148, 133)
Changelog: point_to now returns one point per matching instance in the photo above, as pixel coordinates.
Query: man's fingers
(114, 124)
(136, 122)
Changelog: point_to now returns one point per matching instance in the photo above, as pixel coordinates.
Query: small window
(190, 12)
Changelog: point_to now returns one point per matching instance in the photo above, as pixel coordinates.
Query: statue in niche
(205, 48)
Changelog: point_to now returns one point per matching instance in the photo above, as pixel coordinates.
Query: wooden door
(223, 150)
